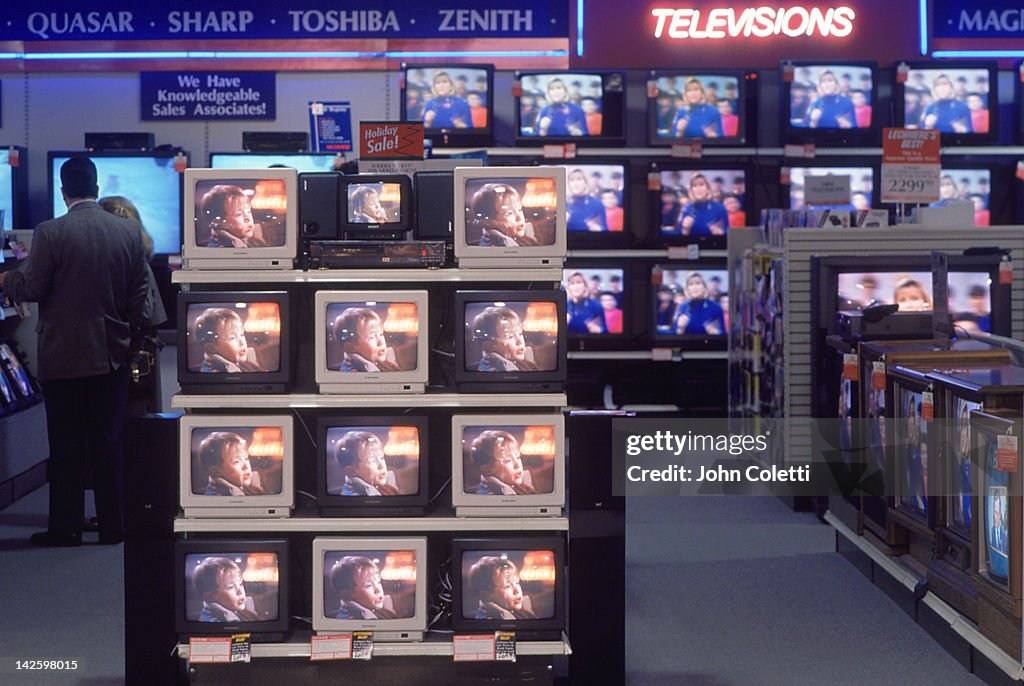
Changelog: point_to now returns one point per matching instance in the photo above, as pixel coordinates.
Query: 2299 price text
(906, 185)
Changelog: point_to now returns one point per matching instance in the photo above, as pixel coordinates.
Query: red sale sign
(910, 165)
(391, 140)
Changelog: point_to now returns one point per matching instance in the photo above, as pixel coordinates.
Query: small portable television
(597, 203)
(830, 103)
(147, 178)
(599, 303)
(510, 216)
(13, 187)
(510, 341)
(585, 108)
(234, 342)
(227, 587)
(689, 304)
(958, 99)
(240, 218)
(371, 341)
(703, 106)
(455, 102)
(371, 584)
(372, 466)
(299, 161)
(509, 584)
(508, 465)
(375, 207)
(862, 187)
(235, 466)
(699, 203)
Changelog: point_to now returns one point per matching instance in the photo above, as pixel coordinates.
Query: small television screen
(236, 466)
(13, 187)
(595, 198)
(148, 179)
(371, 584)
(503, 461)
(690, 303)
(454, 102)
(704, 107)
(233, 339)
(299, 161)
(957, 99)
(371, 342)
(372, 465)
(595, 300)
(579, 107)
(701, 204)
(862, 187)
(958, 514)
(240, 218)
(514, 337)
(912, 448)
(229, 587)
(995, 527)
(830, 102)
(376, 207)
(510, 216)
(508, 584)
(971, 185)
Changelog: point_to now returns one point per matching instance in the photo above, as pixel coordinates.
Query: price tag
(570, 150)
(517, 88)
(331, 647)
(693, 151)
(1006, 455)
(241, 648)
(505, 646)
(652, 88)
(878, 376)
(1020, 170)
(851, 368)
(474, 648)
(362, 645)
(910, 165)
(831, 189)
(14, 157)
(784, 176)
(180, 163)
(805, 151)
(653, 181)
(661, 354)
(554, 151)
(787, 72)
(209, 649)
(693, 251)
(928, 406)
(902, 71)
(1006, 273)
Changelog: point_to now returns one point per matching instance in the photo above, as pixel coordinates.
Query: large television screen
(830, 103)
(702, 202)
(454, 102)
(690, 302)
(698, 106)
(957, 99)
(973, 185)
(570, 106)
(595, 300)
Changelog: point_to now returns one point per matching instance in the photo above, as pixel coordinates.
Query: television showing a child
(241, 213)
(512, 584)
(511, 336)
(237, 461)
(231, 587)
(508, 460)
(513, 212)
(372, 337)
(370, 584)
(373, 460)
(234, 337)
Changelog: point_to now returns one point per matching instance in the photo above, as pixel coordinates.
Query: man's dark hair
(78, 178)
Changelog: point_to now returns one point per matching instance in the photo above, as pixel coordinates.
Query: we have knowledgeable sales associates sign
(197, 95)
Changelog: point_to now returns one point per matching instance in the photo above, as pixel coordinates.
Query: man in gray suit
(88, 272)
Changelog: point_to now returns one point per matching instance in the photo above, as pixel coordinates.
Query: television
(599, 303)
(998, 507)
(597, 203)
(585, 108)
(236, 466)
(13, 187)
(959, 99)
(371, 341)
(699, 203)
(510, 216)
(371, 584)
(147, 178)
(974, 185)
(509, 584)
(508, 465)
(375, 207)
(689, 304)
(226, 587)
(455, 102)
(862, 186)
(510, 341)
(830, 103)
(234, 342)
(703, 106)
(299, 161)
(372, 466)
(911, 450)
(240, 218)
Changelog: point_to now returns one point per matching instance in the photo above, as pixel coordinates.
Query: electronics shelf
(328, 276)
(677, 355)
(640, 254)
(1003, 150)
(305, 400)
(432, 647)
(347, 525)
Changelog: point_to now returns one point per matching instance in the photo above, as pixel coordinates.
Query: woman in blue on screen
(831, 109)
(561, 117)
(585, 313)
(586, 213)
(945, 112)
(446, 110)
(703, 216)
(698, 315)
(697, 118)
(962, 502)
(917, 459)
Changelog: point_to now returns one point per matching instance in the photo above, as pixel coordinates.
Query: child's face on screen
(235, 466)
(510, 341)
(238, 219)
(507, 589)
(370, 342)
(372, 467)
(510, 215)
(372, 205)
(231, 343)
(230, 590)
(367, 590)
(507, 465)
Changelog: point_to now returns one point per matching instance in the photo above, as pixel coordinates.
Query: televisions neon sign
(760, 22)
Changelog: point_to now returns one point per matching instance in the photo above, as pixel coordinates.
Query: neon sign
(760, 22)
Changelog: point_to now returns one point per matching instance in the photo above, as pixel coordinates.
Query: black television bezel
(19, 187)
(684, 341)
(660, 239)
(587, 240)
(441, 137)
(262, 631)
(899, 108)
(283, 155)
(746, 104)
(615, 139)
(242, 382)
(629, 304)
(371, 506)
(870, 136)
(525, 628)
(500, 382)
(842, 163)
(371, 231)
(169, 154)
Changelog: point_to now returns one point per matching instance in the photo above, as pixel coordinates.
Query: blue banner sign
(48, 20)
(207, 95)
(978, 18)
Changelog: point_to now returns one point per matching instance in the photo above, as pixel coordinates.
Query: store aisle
(741, 591)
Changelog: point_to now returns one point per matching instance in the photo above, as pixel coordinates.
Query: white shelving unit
(334, 525)
(403, 401)
(329, 276)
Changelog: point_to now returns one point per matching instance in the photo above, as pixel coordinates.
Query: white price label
(912, 183)
(832, 189)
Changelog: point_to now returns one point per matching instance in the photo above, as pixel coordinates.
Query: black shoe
(55, 540)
